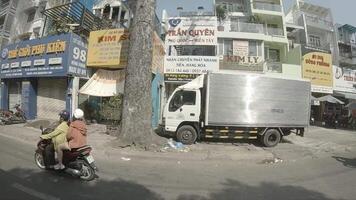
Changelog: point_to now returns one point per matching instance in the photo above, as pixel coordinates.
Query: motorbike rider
(76, 136)
(58, 137)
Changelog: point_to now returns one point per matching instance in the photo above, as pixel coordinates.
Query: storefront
(108, 56)
(317, 67)
(40, 75)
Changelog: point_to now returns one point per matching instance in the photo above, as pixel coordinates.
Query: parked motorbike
(9, 117)
(78, 162)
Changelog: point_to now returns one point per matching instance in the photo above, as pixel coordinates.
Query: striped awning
(105, 83)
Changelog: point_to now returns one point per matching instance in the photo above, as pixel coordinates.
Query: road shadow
(347, 162)
(37, 184)
(235, 190)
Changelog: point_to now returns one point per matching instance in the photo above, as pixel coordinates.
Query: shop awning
(346, 95)
(330, 99)
(104, 83)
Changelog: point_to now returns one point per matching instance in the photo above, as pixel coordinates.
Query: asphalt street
(326, 176)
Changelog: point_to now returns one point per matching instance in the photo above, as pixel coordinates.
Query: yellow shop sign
(108, 48)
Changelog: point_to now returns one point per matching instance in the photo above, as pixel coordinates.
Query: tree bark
(137, 106)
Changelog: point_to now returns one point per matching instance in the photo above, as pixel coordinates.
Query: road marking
(34, 193)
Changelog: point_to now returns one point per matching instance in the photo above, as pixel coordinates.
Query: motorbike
(78, 162)
(9, 117)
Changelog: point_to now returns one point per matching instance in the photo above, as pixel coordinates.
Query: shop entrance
(14, 93)
(51, 97)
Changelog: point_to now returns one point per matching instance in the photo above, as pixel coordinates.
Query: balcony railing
(318, 20)
(247, 27)
(346, 54)
(4, 6)
(267, 6)
(274, 31)
(324, 47)
(233, 7)
(255, 28)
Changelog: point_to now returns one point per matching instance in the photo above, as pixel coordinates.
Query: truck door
(183, 106)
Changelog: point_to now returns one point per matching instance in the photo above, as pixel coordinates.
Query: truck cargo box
(248, 100)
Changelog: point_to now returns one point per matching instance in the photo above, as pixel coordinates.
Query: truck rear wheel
(187, 134)
(271, 138)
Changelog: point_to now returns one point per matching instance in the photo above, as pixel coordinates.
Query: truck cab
(182, 112)
(183, 108)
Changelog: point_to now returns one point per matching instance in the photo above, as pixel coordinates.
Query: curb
(106, 152)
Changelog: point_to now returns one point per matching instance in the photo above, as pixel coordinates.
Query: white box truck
(220, 105)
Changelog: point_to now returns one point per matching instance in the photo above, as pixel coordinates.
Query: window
(252, 48)
(31, 16)
(181, 98)
(273, 55)
(314, 41)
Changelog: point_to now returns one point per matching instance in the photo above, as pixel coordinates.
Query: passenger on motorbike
(58, 136)
(76, 136)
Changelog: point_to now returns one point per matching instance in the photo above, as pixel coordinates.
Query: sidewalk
(103, 148)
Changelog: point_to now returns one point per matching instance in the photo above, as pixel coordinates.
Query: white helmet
(78, 113)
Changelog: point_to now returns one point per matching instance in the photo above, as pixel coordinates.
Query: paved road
(319, 177)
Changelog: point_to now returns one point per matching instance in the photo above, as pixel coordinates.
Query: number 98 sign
(79, 54)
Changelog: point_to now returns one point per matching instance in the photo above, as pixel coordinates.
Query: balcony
(324, 48)
(4, 7)
(267, 6)
(233, 7)
(274, 31)
(247, 27)
(255, 28)
(319, 22)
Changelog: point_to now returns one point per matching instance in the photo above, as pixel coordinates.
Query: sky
(344, 11)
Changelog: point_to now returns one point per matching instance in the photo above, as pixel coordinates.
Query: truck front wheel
(187, 134)
(271, 138)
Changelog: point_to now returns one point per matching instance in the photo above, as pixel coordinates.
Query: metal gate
(14, 94)
(51, 97)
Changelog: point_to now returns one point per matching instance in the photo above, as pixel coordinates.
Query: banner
(57, 55)
(344, 80)
(199, 30)
(108, 48)
(245, 63)
(240, 48)
(317, 67)
(191, 64)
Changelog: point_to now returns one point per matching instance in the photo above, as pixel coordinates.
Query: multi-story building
(7, 16)
(116, 11)
(346, 38)
(345, 73)
(311, 31)
(252, 37)
(28, 20)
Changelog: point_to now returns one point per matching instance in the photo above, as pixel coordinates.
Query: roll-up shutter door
(14, 94)
(51, 97)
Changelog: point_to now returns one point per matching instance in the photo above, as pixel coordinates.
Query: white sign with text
(191, 64)
(198, 30)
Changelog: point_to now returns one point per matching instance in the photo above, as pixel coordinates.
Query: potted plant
(221, 15)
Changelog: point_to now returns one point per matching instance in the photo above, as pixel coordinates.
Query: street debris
(272, 161)
(174, 146)
(125, 159)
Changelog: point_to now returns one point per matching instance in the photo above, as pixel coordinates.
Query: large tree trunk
(137, 106)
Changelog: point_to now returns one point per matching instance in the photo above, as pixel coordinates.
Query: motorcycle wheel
(39, 161)
(87, 173)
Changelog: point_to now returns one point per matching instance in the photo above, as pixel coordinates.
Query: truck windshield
(181, 98)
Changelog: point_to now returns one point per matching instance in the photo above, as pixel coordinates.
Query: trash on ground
(125, 159)
(173, 145)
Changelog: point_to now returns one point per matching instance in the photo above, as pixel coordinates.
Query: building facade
(252, 37)
(311, 32)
